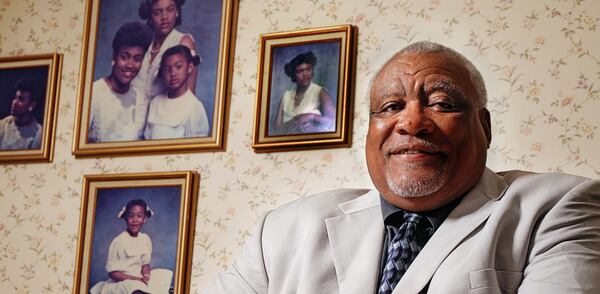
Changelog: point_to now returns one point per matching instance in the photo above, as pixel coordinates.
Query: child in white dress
(178, 113)
(129, 255)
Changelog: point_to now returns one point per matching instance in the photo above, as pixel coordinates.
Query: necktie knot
(412, 217)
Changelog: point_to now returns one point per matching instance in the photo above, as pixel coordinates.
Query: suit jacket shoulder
(537, 233)
(316, 207)
(291, 250)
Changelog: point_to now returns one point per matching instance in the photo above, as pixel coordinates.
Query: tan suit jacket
(515, 232)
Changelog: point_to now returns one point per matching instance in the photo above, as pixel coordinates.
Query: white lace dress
(181, 117)
(113, 115)
(128, 254)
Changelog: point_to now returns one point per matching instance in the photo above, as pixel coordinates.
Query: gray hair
(424, 47)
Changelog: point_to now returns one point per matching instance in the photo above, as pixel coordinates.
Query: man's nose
(129, 63)
(413, 120)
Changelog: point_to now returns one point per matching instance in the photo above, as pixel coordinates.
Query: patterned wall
(540, 60)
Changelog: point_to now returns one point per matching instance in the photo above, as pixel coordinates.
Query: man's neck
(301, 89)
(23, 120)
(435, 216)
(173, 94)
(115, 86)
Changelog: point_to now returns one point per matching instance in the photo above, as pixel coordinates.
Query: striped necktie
(402, 250)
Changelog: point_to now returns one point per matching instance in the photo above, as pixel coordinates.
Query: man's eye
(444, 106)
(388, 109)
(391, 107)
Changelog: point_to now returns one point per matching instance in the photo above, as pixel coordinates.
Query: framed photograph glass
(29, 87)
(304, 96)
(155, 76)
(136, 233)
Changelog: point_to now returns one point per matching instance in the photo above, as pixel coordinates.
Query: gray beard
(413, 188)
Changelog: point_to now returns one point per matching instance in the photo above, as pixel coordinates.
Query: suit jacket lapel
(473, 210)
(355, 238)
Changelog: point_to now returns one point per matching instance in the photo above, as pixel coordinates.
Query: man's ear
(33, 105)
(486, 124)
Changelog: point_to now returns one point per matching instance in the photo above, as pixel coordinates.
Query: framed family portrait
(305, 89)
(29, 89)
(136, 233)
(155, 76)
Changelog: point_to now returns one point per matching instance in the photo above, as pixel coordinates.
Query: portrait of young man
(22, 108)
(438, 220)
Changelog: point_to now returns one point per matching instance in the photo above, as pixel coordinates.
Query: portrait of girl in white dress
(116, 106)
(135, 240)
(177, 113)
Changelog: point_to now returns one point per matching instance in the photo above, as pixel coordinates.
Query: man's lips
(128, 73)
(415, 146)
(415, 151)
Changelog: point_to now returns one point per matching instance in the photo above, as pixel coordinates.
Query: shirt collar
(435, 217)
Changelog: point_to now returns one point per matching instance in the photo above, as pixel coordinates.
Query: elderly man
(439, 221)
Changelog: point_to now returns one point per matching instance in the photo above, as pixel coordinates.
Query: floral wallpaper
(540, 60)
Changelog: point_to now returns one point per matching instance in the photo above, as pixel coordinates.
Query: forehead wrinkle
(391, 89)
(400, 61)
(395, 74)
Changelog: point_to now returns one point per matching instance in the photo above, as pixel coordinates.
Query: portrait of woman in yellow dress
(304, 89)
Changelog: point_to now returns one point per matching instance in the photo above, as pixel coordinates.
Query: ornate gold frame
(217, 139)
(342, 137)
(188, 181)
(46, 151)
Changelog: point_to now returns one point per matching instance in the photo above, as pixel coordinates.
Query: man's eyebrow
(446, 86)
(388, 92)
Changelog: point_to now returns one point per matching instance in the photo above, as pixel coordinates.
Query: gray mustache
(405, 142)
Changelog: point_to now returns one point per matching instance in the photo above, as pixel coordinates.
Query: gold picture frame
(321, 63)
(170, 196)
(30, 86)
(214, 39)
